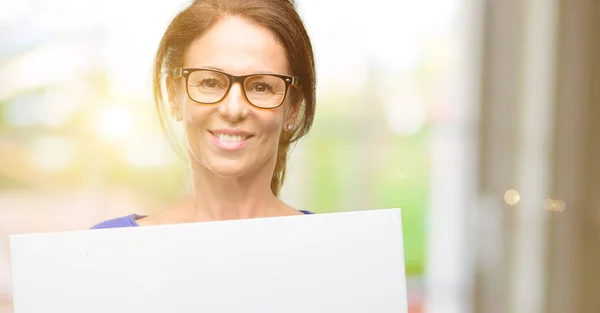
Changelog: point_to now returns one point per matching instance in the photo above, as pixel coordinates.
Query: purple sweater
(130, 221)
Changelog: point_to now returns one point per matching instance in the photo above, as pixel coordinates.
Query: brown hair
(281, 18)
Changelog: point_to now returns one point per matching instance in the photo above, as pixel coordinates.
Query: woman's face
(232, 138)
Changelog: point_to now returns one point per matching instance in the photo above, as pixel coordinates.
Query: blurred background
(476, 117)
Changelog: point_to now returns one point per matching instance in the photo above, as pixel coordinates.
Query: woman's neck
(224, 198)
(214, 198)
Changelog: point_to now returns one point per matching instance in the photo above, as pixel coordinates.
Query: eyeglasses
(208, 86)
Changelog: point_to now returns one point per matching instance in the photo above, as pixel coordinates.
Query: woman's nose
(234, 107)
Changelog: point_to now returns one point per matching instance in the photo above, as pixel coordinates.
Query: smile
(230, 141)
(231, 138)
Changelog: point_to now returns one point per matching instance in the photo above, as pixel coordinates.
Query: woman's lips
(230, 139)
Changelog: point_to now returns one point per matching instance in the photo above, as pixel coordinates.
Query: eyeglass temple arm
(295, 82)
(177, 72)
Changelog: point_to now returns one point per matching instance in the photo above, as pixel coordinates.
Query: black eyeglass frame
(185, 72)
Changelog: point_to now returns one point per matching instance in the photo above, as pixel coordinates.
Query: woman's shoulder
(130, 221)
(123, 221)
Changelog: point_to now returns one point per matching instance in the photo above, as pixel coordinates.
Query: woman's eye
(261, 87)
(209, 83)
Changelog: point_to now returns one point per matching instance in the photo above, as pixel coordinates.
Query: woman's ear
(293, 111)
(173, 98)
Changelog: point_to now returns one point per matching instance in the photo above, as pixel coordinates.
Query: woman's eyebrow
(264, 71)
(212, 68)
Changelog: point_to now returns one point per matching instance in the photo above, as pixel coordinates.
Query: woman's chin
(228, 168)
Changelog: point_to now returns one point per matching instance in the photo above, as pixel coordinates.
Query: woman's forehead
(238, 46)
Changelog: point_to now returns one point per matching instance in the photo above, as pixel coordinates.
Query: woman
(240, 77)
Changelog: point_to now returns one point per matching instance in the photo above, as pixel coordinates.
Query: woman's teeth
(230, 138)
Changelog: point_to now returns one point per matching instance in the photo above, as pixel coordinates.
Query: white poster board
(349, 262)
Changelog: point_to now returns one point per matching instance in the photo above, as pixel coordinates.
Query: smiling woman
(239, 76)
